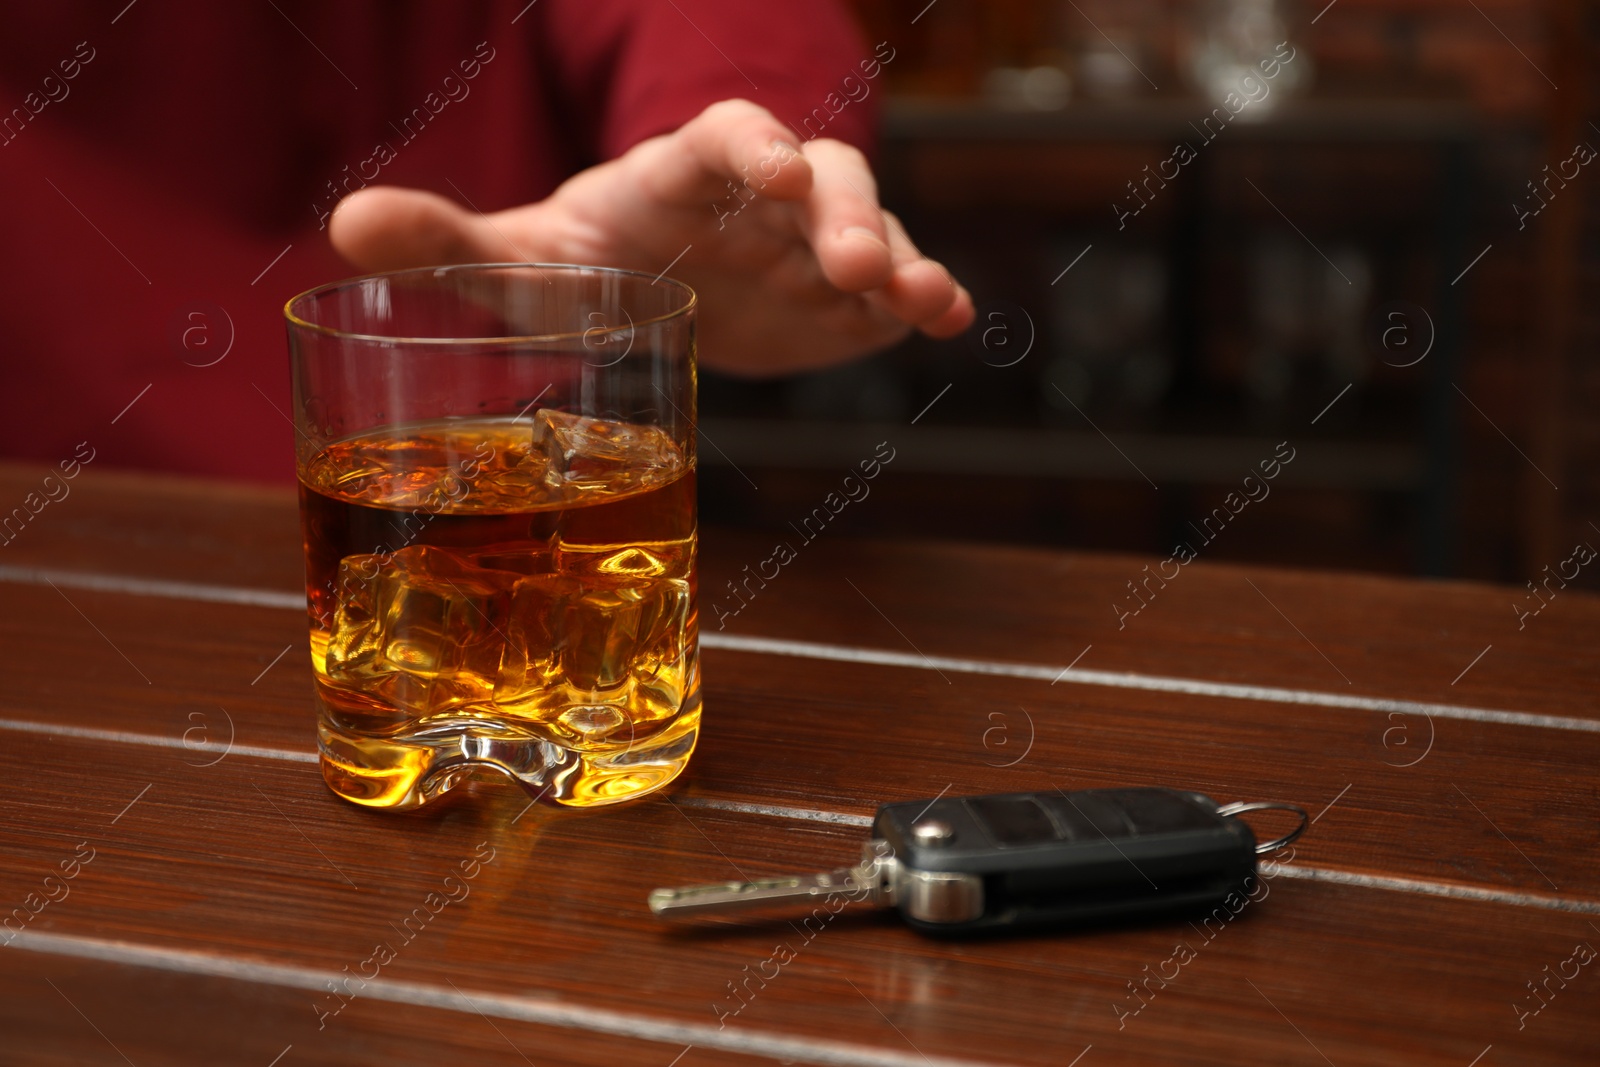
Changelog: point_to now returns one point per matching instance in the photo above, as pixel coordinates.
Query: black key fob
(1016, 861)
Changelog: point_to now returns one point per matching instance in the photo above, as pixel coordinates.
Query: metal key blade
(695, 900)
(869, 881)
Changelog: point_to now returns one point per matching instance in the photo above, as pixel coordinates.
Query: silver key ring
(1240, 806)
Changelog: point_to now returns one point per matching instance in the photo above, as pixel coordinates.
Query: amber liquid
(512, 594)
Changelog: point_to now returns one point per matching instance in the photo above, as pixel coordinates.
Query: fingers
(732, 141)
(955, 319)
(842, 220)
(387, 228)
(920, 291)
(861, 247)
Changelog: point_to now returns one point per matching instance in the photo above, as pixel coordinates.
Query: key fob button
(1014, 821)
(1158, 811)
(1089, 815)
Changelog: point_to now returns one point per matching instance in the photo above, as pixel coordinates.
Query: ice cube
(422, 629)
(589, 640)
(621, 633)
(531, 662)
(404, 473)
(594, 453)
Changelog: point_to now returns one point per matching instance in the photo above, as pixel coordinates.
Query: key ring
(1240, 806)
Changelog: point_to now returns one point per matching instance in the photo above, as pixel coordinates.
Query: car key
(1023, 860)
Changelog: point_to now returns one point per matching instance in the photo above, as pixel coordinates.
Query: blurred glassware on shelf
(1106, 69)
(1112, 352)
(1229, 41)
(1116, 45)
(1308, 314)
(1041, 88)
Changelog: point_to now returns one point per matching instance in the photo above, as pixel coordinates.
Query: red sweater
(165, 177)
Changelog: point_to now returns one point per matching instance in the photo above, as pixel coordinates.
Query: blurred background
(1385, 258)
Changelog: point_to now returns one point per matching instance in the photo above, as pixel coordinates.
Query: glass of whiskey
(497, 494)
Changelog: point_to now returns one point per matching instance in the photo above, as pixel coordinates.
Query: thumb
(388, 228)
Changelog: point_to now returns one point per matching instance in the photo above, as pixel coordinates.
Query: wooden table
(158, 746)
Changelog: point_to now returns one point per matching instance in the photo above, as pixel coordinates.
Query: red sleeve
(626, 70)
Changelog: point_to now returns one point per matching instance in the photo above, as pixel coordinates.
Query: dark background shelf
(1251, 294)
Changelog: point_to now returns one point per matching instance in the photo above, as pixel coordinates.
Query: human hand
(797, 268)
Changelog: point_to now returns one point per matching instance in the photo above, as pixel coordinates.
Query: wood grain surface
(152, 716)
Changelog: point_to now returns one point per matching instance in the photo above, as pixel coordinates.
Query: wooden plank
(156, 526)
(1354, 635)
(1348, 634)
(1472, 802)
(73, 1012)
(251, 862)
(1344, 634)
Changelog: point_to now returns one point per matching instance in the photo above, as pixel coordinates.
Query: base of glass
(406, 771)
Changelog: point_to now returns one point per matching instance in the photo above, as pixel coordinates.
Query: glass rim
(326, 288)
